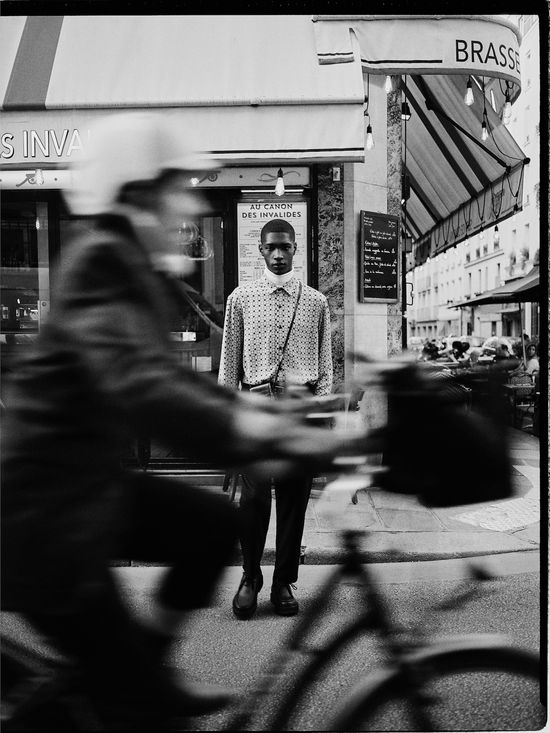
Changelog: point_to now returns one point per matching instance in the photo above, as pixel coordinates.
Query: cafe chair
(523, 400)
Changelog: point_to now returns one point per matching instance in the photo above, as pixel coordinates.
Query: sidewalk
(400, 529)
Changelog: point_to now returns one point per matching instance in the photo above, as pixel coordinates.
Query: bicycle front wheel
(462, 689)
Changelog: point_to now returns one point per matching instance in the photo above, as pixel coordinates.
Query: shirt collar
(289, 287)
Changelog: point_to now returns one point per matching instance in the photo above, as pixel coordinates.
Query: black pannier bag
(434, 446)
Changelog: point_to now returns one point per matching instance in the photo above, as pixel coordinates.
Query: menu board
(251, 217)
(378, 261)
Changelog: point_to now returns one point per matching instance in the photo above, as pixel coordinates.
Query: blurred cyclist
(102, 370)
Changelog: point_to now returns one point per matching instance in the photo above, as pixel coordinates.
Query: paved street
(220, 648)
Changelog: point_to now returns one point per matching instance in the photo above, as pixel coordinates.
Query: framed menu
(378, 258)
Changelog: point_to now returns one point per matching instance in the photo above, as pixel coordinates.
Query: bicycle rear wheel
(463, 689)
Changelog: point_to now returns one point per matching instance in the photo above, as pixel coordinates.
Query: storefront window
(25, 267)
(24, 278)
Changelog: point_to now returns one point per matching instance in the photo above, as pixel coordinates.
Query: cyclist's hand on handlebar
(280, 443)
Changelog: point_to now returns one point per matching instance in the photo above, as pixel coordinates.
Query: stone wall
(330, 217)
(394, 206)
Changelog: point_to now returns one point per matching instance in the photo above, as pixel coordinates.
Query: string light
(507, 109)
(388, 86)
(496, 235)
(484, 133)
(280, 185)
(469, 96)
(405, 109)
(370, 140)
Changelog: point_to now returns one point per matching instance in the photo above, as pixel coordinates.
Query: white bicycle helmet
(127, 147)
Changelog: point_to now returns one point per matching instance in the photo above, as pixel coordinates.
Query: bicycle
(413, 675)
(418, 674)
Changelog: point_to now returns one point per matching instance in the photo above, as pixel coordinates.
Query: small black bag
(265, 389)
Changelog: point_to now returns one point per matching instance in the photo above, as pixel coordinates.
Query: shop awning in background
(245, 87)
(458, 185)
(522, 290)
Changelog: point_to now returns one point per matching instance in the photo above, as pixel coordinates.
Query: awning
(487, 45)
(244, 87)
(521, 290)
(458, 185)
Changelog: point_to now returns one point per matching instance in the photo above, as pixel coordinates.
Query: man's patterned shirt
(257, 320)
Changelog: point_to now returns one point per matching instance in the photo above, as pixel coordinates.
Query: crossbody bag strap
(274, 378)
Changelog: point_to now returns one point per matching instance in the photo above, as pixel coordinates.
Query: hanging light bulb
(280, 185)
(496, 235)
(405, 111)
(370, 139)
(484, 133)
(388, 86)
(482, 234)
(507, 109)
(469, 96)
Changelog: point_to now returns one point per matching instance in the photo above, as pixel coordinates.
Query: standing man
(276, 330)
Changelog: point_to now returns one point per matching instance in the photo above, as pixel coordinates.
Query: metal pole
(521, 333)
(404, 285)
(403, 252)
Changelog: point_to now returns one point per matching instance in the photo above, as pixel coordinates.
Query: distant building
(497, 255)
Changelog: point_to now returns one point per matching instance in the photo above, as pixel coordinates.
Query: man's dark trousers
(291, 497)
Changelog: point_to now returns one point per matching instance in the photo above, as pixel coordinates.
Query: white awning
(485, 45)
(246, 87)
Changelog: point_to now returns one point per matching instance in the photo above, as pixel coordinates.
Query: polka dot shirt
(257, 320)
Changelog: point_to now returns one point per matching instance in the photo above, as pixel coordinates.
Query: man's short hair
(279, 226)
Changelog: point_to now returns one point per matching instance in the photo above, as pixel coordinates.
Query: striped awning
(245, 88)
(459, 185)
(455, 184)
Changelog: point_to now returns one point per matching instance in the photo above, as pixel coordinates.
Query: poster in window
(251, 217)
(378, 260)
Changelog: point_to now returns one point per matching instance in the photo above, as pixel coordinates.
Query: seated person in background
(465, 353)
(505, 359)
(473, 354)
(429, 351)
(531, 358)
(456, 351)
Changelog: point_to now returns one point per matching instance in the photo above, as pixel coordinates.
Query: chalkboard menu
(378, 268)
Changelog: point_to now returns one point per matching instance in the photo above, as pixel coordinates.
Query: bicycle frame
(407, 655)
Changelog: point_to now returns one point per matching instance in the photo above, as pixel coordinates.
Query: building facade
(497, 254)
(263, 95)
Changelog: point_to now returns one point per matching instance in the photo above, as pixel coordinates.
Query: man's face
(278, 250)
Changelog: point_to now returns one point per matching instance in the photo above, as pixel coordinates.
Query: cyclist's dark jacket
(101, 370)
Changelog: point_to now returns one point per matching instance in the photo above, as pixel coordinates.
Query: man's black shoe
(245, 599)
(283, 600)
